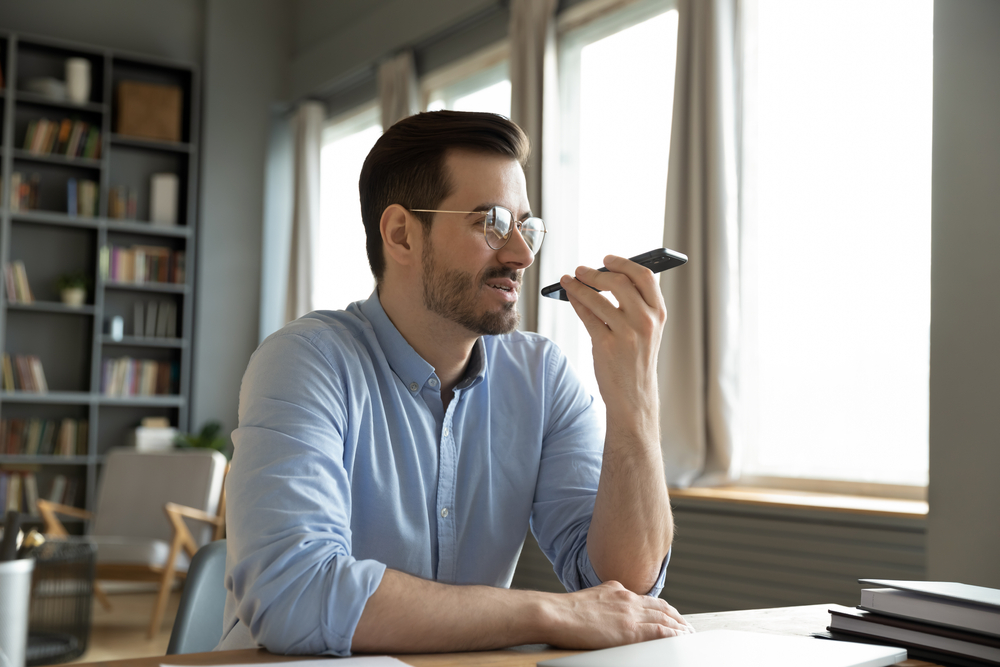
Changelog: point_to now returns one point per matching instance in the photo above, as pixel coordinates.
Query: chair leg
(102, 597)
(165, 584)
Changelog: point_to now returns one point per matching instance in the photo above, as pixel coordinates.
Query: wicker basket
(62, 588)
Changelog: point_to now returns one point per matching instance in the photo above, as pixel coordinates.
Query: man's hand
(632, 527)
(626, 338)
(611, 615)
(411, 615)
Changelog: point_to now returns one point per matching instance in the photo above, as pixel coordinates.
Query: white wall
(964, 493)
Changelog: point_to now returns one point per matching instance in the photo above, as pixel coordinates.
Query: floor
(121, 632)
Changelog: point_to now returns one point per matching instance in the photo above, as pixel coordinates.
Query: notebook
(735, 647)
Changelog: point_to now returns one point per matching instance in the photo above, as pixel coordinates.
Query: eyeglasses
(498, 223)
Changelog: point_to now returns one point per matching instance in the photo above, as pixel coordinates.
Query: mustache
(501, 272)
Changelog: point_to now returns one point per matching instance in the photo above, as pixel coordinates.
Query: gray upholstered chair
(198, 625)
(139, 521)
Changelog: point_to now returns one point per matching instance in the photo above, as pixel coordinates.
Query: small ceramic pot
(73, 296)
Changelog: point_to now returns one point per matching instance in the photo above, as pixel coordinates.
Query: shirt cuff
(589, 578)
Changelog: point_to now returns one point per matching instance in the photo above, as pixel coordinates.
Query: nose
(516, 252)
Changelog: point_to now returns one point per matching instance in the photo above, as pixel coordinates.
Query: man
(389, 457)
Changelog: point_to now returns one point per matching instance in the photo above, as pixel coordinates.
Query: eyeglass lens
(499, 223)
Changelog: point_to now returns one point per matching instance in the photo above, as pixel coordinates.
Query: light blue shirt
(346, 463)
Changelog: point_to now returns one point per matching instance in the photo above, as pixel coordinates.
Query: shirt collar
(404, 361)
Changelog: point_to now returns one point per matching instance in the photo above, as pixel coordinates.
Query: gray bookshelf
(73, 342)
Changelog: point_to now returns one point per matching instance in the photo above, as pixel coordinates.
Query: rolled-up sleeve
(296, 586)
(569, 473)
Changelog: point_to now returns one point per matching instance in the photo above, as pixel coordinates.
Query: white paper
(355, 661)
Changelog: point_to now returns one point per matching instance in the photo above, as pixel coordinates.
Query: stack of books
(16, 282)
(29, 374)
(944, 622)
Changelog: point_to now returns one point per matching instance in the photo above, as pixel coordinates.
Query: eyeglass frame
(515, 223)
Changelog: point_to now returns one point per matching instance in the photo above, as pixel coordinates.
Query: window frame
(483, 68)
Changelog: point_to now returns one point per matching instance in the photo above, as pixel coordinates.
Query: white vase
(73, 296)
(78, 80)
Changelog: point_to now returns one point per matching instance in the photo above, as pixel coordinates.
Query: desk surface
(782, 621)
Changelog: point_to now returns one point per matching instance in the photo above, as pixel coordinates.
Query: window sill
(850, 504)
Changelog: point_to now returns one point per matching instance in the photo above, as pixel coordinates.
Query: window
(480, 82)
(837, 240)
(340, 265)
(617, 80)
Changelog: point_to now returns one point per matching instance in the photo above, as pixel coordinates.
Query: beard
(455, 296)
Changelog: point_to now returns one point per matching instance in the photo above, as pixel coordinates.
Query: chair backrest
(136, 485)
(198, 624)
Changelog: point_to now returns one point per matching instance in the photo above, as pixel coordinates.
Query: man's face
(466, 281)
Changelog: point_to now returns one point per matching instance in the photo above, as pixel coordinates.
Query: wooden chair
(139, 521)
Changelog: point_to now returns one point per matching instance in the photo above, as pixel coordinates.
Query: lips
(502, 284)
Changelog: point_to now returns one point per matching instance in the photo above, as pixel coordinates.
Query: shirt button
(414, 386)
(432, 382)
(445, 431)
(444, 512)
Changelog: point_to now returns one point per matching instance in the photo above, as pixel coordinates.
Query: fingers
(631, 283)
(593, 309)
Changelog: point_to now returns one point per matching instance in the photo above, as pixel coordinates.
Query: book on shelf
(20, 490)
(123, 201)
(24, 191)
(24, 373)
(43, 437)
(81, 197)
(142, 264)
(69, 138)
(16, 282)
(126, 376)
(155, 319)
(163, 191)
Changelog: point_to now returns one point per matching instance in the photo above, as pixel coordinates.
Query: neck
(442, 343)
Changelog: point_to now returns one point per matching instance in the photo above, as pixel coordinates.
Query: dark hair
(407, 165)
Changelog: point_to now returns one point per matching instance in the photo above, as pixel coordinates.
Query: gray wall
(337, 42)
(964, 493)
(246, 57)
(165, 28)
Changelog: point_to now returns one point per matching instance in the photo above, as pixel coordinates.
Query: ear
(400, 235)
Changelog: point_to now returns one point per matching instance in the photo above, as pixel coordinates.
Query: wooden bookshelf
(74, 343)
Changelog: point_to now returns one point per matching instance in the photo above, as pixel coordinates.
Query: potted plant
(207, 438)
(73, 289)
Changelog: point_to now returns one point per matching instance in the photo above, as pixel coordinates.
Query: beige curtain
(307, 129)
(699, 358)
(397, 88)
(534, 96)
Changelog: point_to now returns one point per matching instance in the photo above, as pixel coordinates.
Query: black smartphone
(657, 260)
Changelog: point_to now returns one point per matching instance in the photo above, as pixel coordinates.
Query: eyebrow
(483, 208)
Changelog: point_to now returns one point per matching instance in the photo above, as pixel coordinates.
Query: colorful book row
(140, 264)
(23, 192)
(24, 374)
(126, 376)
(72, 138)
(16, 282)
(43, 437)
(19, 491)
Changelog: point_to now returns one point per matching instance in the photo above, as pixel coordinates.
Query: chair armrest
(191, 513)
(53, 526)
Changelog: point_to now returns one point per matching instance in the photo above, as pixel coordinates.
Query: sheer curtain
(533, 106)
(699, 358)
(397, 89)
(307, 128)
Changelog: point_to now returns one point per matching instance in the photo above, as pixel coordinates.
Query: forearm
(407, 614)
(632, 527)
